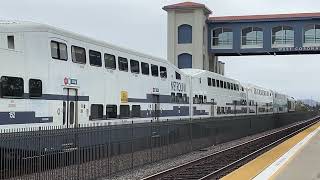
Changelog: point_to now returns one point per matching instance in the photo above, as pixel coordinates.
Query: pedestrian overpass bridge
(196, 38)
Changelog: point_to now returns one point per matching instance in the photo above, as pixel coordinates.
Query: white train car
(215, 95)
(260, 100)
(291, 104)
(280, 102)
(54, 77)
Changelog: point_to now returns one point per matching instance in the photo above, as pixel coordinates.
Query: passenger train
(51, 77)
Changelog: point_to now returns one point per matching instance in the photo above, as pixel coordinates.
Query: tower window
(185, 34)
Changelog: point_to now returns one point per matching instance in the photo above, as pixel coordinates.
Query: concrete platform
(296, 158)
(305, 164)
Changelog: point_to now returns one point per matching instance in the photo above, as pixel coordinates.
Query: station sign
(288, 49)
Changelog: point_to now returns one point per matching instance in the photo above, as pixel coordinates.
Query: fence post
(151, 155)
(191, 137)
(168, 138)
(39, 152)
(109, 150)
(132, 139)
(78, 150)
(215, 133)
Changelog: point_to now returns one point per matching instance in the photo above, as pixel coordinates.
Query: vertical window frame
(11, 42)
(32, 94)
(99, 60)
(59, 44)
(21, 89)
(137, 64)
(74, 58)
(152, 70)
(163, 72)
(144, 70)
(106, 64)
(99, 115)
(121, 64)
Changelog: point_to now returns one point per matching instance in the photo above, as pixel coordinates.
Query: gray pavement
(305, 165)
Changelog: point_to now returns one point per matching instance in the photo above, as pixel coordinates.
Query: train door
(156, 107)
(212, 108)
(70, 107)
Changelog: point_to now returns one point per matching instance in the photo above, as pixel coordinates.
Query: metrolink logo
(178, 86)
(315, 48)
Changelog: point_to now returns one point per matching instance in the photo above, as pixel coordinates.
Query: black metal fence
(90, 152)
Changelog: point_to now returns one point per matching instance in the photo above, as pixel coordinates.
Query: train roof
(28, 26)
(197, 72)
(249, 85)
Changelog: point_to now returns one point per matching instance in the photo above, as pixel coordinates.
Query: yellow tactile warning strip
(256, 166)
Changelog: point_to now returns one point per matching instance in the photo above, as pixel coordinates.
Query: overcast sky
(141, 25)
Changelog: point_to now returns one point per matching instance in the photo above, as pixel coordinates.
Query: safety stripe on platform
(258, 165)
(274, 167)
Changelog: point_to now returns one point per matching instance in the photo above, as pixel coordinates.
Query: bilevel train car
(54, 77)
(260, 100)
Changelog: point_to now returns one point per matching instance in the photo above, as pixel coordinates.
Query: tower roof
(187, 5)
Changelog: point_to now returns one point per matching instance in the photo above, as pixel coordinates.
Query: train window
(178, 76)
(209, 81)
(111, 111)
(72, 110)
(10, 42)
(232, 85)
(173, 97)
(134, 66)
(110, 61)
(95, 58)
(145, 68)
(64, 107)
(228, 85)
(78, 54)
(237, 87)
(154, 70)
(11, 87)
(136, 111)
(213, 82)
(35, 88)
(218, 110)
(221, 84)
(179, 98)
(163, 72)
(185, 98)
(96, 111)
(229, 110)
(200, 99)
(124, 111)
(195, 99)
(123, 64)
(59, 50)
(218, 83)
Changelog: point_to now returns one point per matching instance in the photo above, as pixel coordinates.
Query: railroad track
(217, 165)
